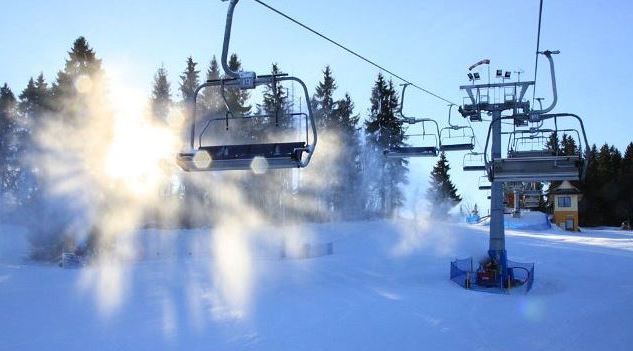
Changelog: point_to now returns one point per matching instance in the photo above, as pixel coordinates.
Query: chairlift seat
(531, 153)
(457, 147)
(531, 169)
(531, 203)
(240, 157)
(474, 168)
(411, 151)
(485, 187)
(532, 193)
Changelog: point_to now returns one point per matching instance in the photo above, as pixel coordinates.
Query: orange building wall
(561, 217)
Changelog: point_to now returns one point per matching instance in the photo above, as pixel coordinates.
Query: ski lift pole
(497, 246)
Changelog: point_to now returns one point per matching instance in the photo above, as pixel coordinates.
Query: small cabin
(565, 197)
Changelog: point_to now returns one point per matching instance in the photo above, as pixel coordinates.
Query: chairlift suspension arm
(413, 120)
(227, 39)
(549, 54)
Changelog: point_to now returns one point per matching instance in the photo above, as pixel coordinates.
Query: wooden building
(565, 197)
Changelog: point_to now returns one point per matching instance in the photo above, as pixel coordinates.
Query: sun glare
(140, 146)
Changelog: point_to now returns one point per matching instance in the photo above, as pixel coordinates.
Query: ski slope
(386, 287)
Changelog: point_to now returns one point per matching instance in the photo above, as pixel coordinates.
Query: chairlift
(422, 147)
(456, 137)
(484, 183)
(241, 155)
(532, 192)
(531, 201)
(539, 165)
(473, 161)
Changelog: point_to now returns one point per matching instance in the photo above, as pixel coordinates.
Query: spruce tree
(590, 210)
(384, 130)
(568, 145)
(66, 97)
(8, 151)
(193, 196)
(323, 100)
(35, 103)
(237, 99)
(442, 193)
(553, 143)
(161, 95)
(626, 183)
(211, 96)
(350, 196)
(269, 192)
(608, 168)
(275, 101)
(189, 80)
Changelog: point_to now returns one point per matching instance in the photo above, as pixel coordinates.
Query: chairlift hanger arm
(548, 54)
(450, 108)
(227, 39)
(414, 120)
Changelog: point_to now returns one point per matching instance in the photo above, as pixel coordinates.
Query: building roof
(565, 192)
(565, 187)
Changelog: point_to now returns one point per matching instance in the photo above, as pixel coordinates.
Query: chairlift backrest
(457, 138)
(484, 183)
(473, 161)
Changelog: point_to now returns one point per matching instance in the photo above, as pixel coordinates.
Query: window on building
(564, 201)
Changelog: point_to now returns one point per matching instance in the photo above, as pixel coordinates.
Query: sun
(140, 146)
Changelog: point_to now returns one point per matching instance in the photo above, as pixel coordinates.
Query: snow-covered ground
(385, 288)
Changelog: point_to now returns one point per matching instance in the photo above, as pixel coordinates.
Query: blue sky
(429, 42)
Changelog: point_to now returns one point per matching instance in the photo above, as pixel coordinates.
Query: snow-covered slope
(385, 287)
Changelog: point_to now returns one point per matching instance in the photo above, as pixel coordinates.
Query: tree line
(607, 190)
(348, 179)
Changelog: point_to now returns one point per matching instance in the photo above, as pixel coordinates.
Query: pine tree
(627, 160)
(237, 99)
(384, 130)
(608, 168)
(350, 196)
(590, 210)
(193, 196)
(211, 96)
(442, 193)
(568, 146)
(553, 143)
(275, 101)
(8, 151)
(35, 103)
(189, 80)
(626, 183)
(323, 100)
(28, 104)
(161, 95)
(270, 192)
(68, 88)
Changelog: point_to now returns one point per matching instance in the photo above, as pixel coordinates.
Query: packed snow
(385, 287)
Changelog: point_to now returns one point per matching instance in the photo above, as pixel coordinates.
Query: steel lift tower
(510, 98)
